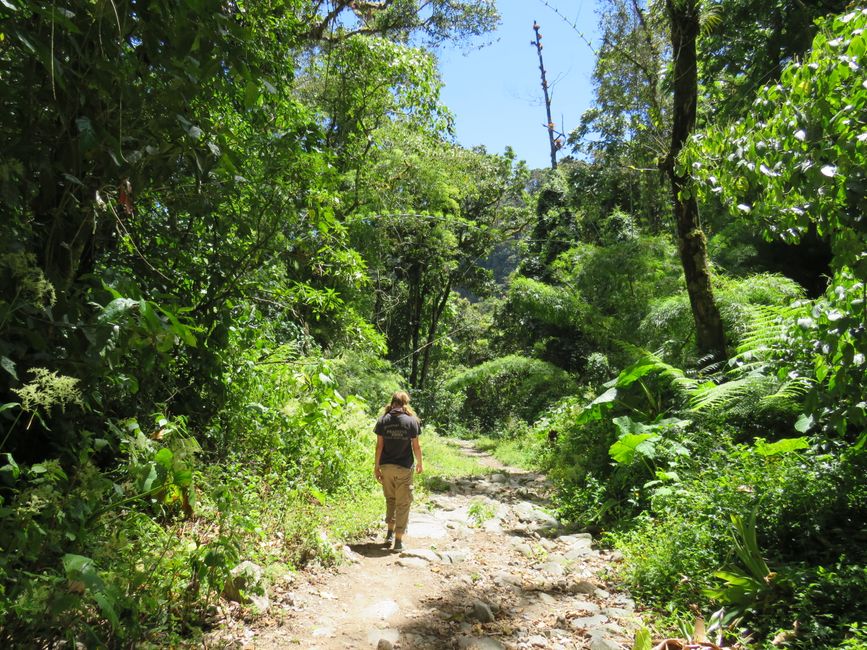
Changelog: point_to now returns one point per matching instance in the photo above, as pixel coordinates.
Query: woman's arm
(416, 450)
(377, 472)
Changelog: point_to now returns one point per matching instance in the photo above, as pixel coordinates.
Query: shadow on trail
(449, 620)
(371, 549)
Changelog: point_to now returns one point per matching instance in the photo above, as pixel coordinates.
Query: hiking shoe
(398, 545)
(388, 537)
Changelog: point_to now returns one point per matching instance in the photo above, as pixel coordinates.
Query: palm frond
(710, 19)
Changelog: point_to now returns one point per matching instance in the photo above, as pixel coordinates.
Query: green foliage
(595, 295)
(830, 344)
(798, 155)
(479, 512)
(668, 324)
(506, 387)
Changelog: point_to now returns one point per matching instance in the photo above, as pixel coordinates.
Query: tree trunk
(692, 245)
(439, 308)
(416, 303)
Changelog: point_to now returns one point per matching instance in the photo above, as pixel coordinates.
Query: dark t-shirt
(397, 430)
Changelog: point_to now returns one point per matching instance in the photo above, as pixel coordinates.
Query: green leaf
(183, 477)
(149, 319)
(164, 458)
(783, 446)
(106, 606)
(804, 423)
(86, 133)
(317, 494)
(608, 396)
(8, 405)
(150, 479)
(114, 311)
(642, 640)
(628, 446)
(626, 425)
(251, 94)
(9, 472)
(9, 366)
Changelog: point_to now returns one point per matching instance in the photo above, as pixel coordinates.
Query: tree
(625, 132)
(437, 20)
(692, 245)
(433, 213)
(747, 44)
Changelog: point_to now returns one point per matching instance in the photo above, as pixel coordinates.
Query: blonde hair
(399, 399)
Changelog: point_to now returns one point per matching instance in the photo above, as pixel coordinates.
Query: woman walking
(397, 450)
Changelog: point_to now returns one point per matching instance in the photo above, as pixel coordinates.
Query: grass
(443, 460)
(518, 452)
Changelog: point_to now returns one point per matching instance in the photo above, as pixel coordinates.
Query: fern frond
(651, 362)
(717, 396)
(766, 331)
(790, 392)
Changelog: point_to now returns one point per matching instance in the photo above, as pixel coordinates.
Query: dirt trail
(483, 566)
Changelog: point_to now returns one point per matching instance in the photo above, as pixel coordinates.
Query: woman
(397, 449)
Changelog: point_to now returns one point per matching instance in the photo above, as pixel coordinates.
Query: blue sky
(495, 92)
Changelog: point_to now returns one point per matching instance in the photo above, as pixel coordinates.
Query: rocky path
(484, 566)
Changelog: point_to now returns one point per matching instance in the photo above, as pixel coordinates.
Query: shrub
(498, 390)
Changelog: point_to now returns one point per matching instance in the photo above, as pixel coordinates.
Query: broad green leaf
(627, 447)
(608, 396)
(116, 310)
(164, 458)
(183, 477)
(9, 472)
(150, 479)
(804, 423)
(783, 446)
(642, 640)
(626, 425)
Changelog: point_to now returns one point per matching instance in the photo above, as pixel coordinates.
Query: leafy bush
(497, 390)
(669, 323)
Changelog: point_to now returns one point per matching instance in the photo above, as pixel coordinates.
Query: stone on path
(524, 549)
(526, 511)
(482, 612)
(588, 622)
(422, 553)
(412, 562)
(454, 557)
(426, 526)
(583, 587)
(553, 568)
(479, 643)
(587, 606)
(601, 642)
(384, 644)
(382, 610)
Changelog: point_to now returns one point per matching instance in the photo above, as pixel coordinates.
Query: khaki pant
(397, 488)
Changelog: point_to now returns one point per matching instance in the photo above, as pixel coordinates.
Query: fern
(712, 396)
(748, 380)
